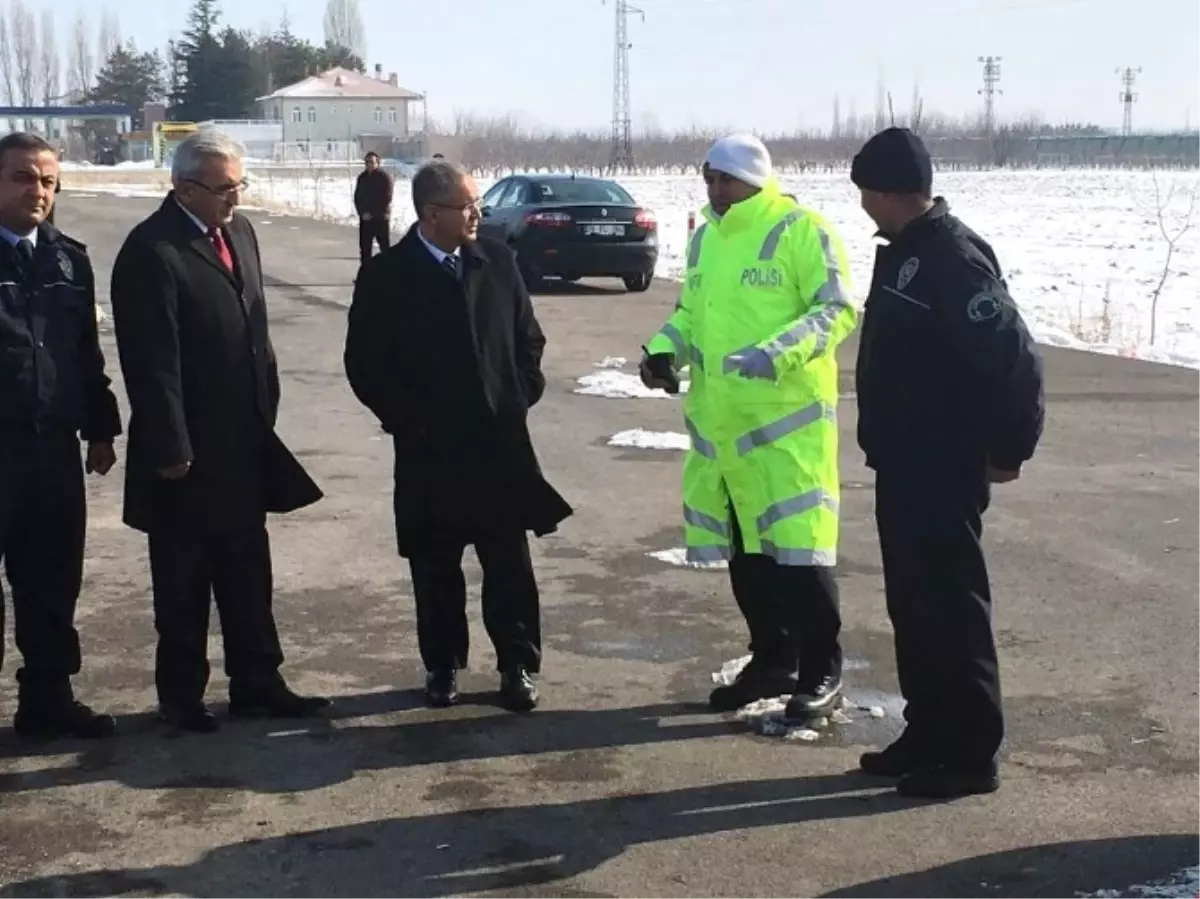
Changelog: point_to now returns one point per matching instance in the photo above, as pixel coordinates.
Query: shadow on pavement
(296, 756)
(517, 849)
(1054, 869)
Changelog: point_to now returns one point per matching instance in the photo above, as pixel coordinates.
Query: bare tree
(110, 35)
(1172, 230)
(81, 63)
(8, 68)
(51, 65)
(344, 27)
(25, 53)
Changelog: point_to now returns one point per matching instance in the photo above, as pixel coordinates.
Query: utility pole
(1127, 96)
(621, 155)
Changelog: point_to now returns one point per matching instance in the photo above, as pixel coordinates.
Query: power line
(621, 155)
(1127, 96)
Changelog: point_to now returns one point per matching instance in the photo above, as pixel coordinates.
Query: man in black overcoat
(444, 348)
(205, 464)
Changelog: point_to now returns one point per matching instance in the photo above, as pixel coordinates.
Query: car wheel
(638, 283)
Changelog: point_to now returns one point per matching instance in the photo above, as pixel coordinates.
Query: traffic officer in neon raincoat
(764, 305)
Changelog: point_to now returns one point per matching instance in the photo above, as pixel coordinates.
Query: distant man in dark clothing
(443, 346)
(950, 401)
(53, 392)
(373, 203)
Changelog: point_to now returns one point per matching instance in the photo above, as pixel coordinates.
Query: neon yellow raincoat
(769, 277)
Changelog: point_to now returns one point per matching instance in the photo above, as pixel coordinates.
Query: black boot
(517, 690)
(906, 755)
(274, 701)
(815, 696)
(758, 680)
(441, 688)
(63, 718)
(950, 781)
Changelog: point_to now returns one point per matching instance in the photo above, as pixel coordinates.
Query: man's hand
(757, 364)
(1000, 476)
(649, 378)
(366, 216)
(101, 457)
(175, 472)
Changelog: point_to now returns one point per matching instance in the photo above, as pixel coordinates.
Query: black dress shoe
(814, 698)
(757, 680)
(906, 755)
(62, 719)
(517, 690)
(949, 781)
(189, 716)
(441, 688)
(275, 702)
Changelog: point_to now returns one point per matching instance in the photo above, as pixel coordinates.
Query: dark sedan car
(573, 227)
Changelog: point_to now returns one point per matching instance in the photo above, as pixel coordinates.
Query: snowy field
(1082, 249)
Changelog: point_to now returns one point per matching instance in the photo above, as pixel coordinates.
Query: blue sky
(764, 64)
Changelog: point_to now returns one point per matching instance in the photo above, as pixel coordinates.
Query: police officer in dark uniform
(53, 392)
(950, 401)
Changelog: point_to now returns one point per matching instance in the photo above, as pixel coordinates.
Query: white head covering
(743, 156)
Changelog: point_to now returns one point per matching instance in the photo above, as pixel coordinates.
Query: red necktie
(222, 248)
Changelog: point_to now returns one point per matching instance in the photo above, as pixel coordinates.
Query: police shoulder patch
(983, 307)
(907, 272)
(65, 265)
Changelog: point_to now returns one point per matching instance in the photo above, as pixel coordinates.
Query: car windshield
(579, 191)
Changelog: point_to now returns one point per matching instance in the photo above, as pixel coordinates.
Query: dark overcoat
(451, 367)
(202, 380)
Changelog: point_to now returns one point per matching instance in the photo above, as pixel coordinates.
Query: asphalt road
(622, 784)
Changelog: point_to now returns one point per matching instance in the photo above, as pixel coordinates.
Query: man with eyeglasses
(443, 347)
(205, 465)
(764, 305)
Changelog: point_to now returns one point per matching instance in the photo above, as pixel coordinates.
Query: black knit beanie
(894, 161)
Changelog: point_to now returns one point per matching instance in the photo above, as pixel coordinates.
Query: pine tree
(129, 78)
(199, 92)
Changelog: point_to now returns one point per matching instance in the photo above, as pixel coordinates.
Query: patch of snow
(620, 385)
(678, 558)
(660, 440)
(730, 670)
(1185, 882)
(612, 362)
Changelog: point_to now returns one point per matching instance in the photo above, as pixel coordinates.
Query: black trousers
(377, 229)
(940, 604)
(792, 611)
(43, 524)
(188, 570)
(511, 607)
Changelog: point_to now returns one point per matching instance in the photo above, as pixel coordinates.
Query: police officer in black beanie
(950, 401)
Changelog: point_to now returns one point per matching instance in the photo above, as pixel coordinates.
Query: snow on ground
(1081, 248)
(620, 385)
(1185, 882)
(659, 440)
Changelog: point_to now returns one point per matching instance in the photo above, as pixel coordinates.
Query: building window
(391, 115)
(378, 113)
(295, 113)
(312, 114)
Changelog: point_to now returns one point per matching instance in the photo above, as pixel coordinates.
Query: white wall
(338, 120)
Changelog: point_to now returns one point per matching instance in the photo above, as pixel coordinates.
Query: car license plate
(604, 230)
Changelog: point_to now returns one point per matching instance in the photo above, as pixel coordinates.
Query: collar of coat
(473, 252)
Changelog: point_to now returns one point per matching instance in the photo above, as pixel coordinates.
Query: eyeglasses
(468, 206)
(225, 193)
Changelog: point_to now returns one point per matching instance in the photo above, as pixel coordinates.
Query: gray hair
(200, 146)
(434, 182)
